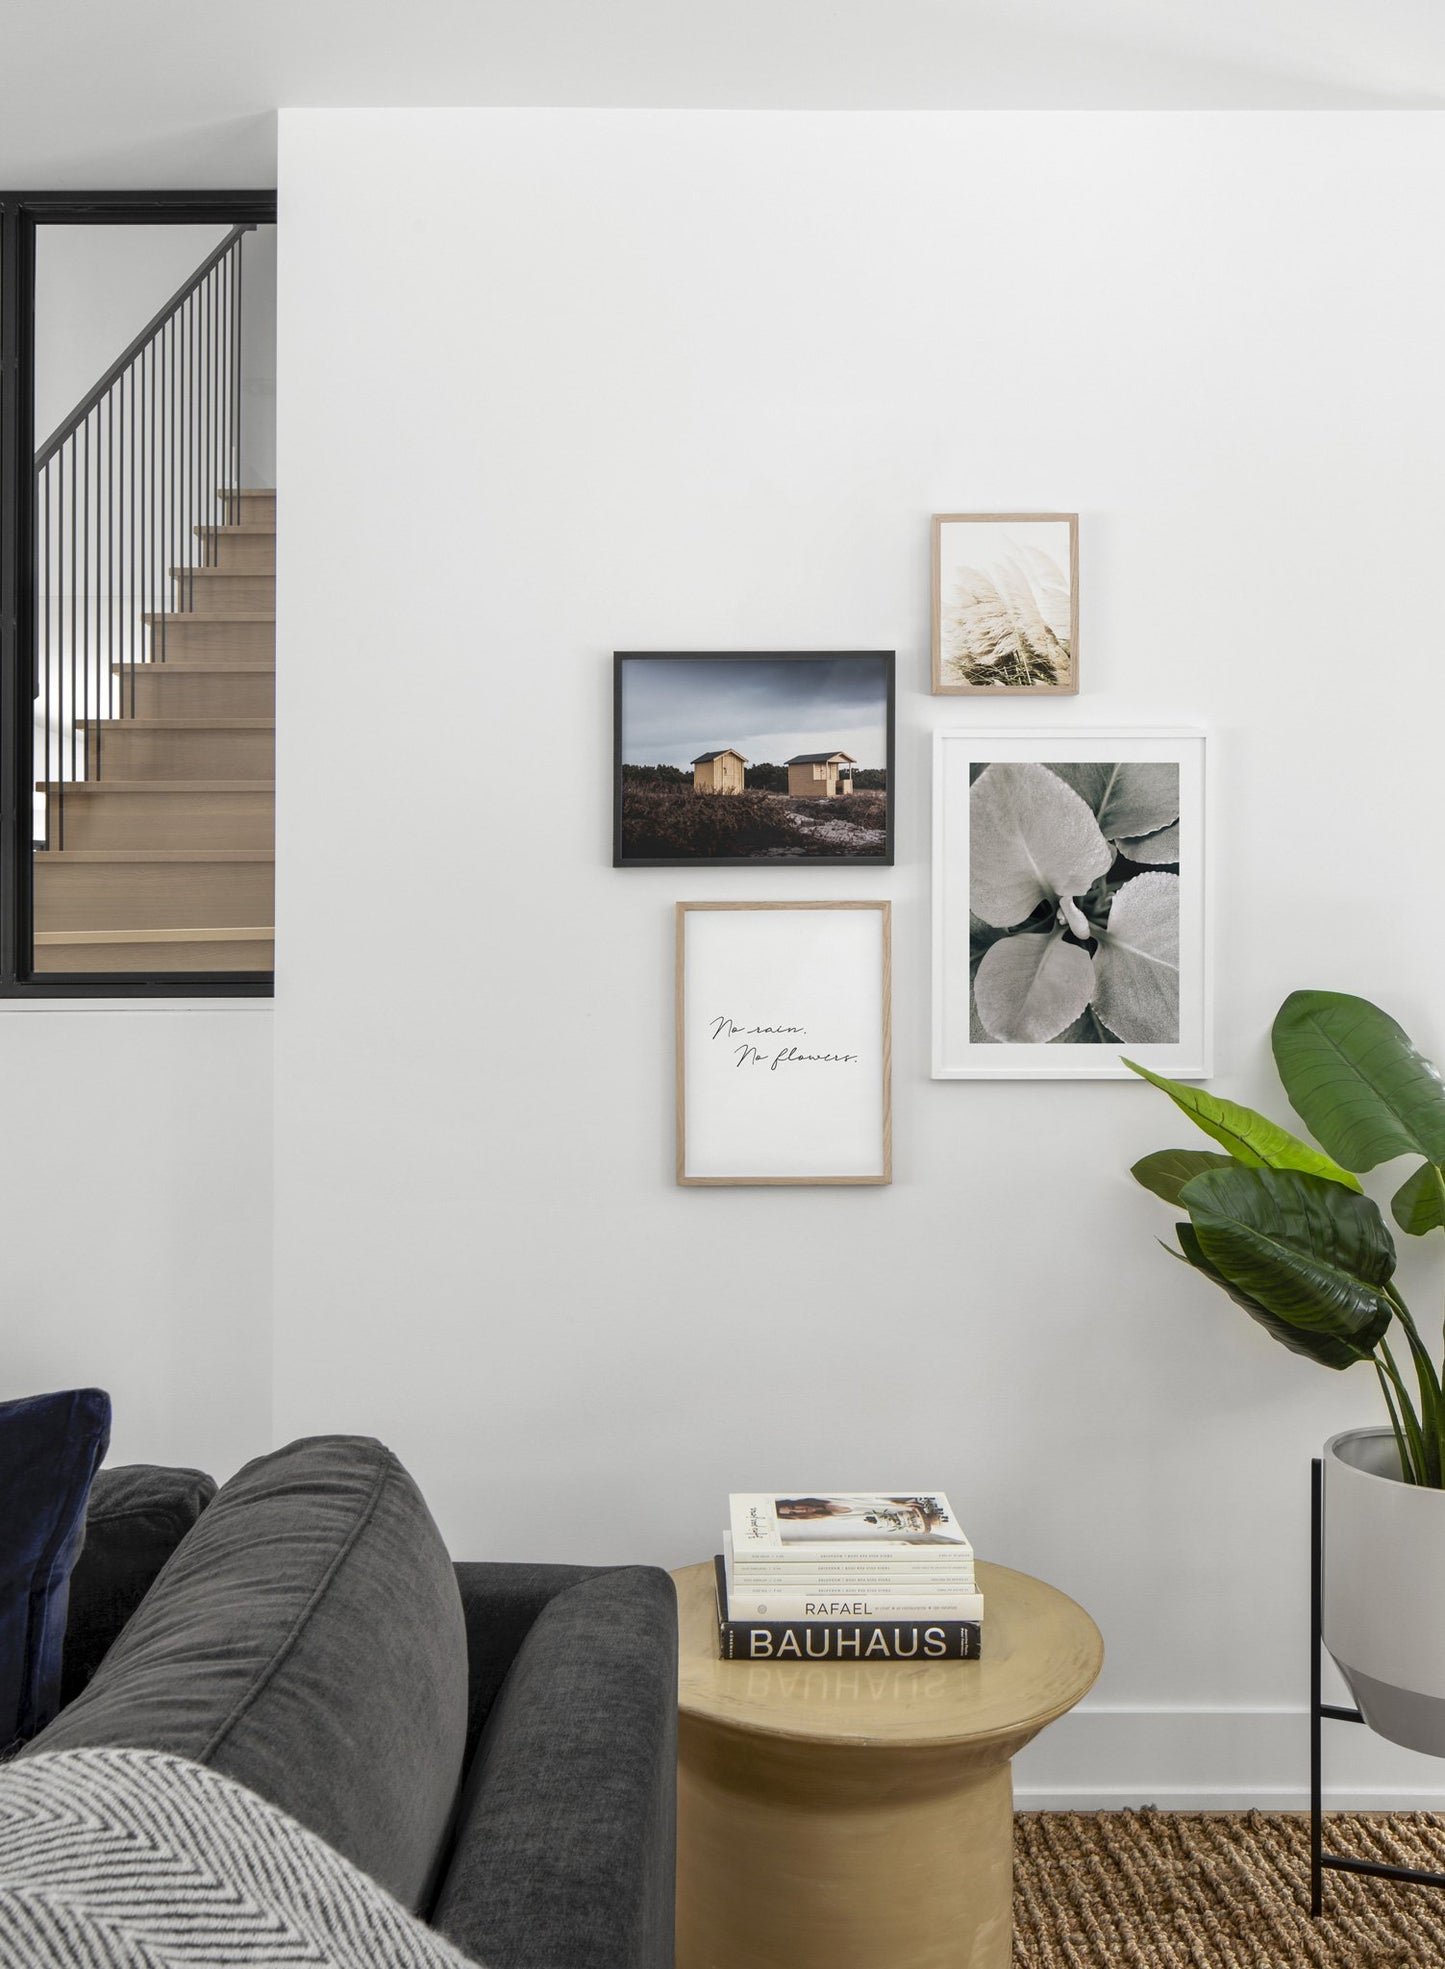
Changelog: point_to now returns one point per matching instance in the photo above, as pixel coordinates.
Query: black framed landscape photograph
(732, 757)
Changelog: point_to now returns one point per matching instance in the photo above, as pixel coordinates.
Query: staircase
(161, 853)
(155, 662)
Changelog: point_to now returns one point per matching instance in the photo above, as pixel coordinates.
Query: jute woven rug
(1221, 1890)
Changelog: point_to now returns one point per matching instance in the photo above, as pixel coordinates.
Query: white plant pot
(1384, 1588)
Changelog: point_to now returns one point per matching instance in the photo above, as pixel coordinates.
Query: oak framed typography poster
(783, 1043)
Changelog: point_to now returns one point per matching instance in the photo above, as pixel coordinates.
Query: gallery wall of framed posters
(1071, 930)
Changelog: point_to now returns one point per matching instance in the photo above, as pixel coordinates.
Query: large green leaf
(1031, 840)
(1251, 1138)
(1357, 1079)
(1030, 987)
(1137, 962)
(1308, 1251)
(1167, 1171)
(1152, 849)
(1418, 1205)
(1087, 1030)
(1128, 799)
(980, 936)
(1319, 1347)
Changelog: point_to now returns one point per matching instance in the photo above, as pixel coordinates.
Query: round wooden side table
(859, 1815)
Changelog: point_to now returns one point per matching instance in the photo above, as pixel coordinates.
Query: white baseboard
(1137, 1799)
(1103, 1758)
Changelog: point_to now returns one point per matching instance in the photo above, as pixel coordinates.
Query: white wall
(135, 1168)
(686, 381)
(258, 357)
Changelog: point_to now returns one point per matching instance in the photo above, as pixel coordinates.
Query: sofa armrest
(566, 1829)
(500, 1602)
(137, 1515)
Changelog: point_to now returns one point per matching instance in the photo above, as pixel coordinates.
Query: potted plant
(1285, 1229)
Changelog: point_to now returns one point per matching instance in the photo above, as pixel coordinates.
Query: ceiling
(149, 92)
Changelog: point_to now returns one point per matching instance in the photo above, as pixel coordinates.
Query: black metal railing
(128, 491)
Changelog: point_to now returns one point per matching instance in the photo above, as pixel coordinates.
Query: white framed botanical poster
(1070, 904)
(1005, 604)
(784, 1053)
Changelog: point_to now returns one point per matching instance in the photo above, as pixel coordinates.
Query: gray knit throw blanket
(127, 1859)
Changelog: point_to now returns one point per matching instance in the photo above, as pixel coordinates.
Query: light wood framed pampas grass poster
(1005, 604)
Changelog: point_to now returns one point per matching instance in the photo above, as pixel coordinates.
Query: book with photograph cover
(801, 1527)
(902, 1639)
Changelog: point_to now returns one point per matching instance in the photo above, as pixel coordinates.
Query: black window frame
(21, 214)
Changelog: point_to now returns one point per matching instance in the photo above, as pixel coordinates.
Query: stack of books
(846, 1577)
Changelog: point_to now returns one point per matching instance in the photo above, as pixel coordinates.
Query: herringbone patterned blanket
(126, 1859)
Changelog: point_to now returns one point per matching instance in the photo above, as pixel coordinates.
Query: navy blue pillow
(50, 1449)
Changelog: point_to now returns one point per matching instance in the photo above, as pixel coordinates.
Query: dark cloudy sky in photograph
(767, 708)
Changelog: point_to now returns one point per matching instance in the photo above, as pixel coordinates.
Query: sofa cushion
(306, 1639)
(50, 1447)
(137, 1516)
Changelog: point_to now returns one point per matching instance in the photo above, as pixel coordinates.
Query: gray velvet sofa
(494, 1743)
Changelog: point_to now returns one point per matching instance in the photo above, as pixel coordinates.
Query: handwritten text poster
(782, 1046)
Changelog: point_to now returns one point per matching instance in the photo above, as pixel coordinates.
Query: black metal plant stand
(1336, 1713)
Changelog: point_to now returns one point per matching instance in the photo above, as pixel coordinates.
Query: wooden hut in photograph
(819, 775)
(718, 772)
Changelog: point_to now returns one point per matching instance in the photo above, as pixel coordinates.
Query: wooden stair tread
(189, 615)
(72, 788)
(177, 724)
(184, 666)
(265, 933)
(234, 526)
(73, 855)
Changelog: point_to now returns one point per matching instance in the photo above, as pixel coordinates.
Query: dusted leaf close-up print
(1074, 903)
